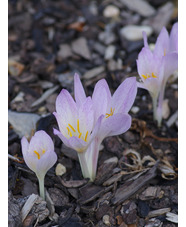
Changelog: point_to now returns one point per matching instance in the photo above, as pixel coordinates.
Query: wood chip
(73, 183)
(45, 95)
(158, 212)
(28, 206)
(124, 192)
(90, 192)
(172, 217)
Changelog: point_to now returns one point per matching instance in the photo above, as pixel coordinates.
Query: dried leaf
(78, 26)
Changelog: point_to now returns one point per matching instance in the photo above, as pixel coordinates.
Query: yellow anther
(38, 155)
(154, 76)
(78, 126)
(43, 151)
(110, 114)
(145, 77)
(69, 132)
(72, 128)
(149, 76)
(86, 136)
(164, 51)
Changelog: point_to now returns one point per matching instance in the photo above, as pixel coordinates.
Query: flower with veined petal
(76, 123)
(155, 67)
(39, 156)
(114, 108)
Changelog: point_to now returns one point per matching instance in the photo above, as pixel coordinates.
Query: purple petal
(145, 39)
(124, 96)
(78, 90)
(170, 64)
(101, 98)
(74, 142)
(66, 106)
(86, 115)
(144, 62)
(174, 38)
(162, 43)
(29, 158)
(61, 123)
(153, 86)
(46, 161)
(41, 140)
(115, 125)
(148, 63)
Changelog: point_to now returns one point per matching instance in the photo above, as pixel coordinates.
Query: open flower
(39, 155)
(155, 67)
(75, 119)
(85, 122)
(115, 111)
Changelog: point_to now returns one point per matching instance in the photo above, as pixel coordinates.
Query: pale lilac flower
(85, 122)
(75, 119)
(155, 67)
(115, 110)
(39, 155)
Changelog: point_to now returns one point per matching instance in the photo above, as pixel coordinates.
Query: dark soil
(141, 178)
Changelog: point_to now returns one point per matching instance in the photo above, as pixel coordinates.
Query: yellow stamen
(154, 76)
(86, 136)
(69, 132)
(148, 76)
(164, 52)
(79, 135)
(43, 151)
(110, 114)
(145, 77)
(72, 128)
(38, 155)
(78, 126)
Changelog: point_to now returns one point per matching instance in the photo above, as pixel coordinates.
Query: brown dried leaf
(78, 26)
(141, 127)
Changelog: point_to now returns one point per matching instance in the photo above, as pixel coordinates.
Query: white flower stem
(160, 104)
(84, 165)
(154, 103)
(94, 158)
(41, 186)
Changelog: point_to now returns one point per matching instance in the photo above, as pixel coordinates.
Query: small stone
(162, 17)
(107, 37)
(19, 97)
(135, 109)
(111, 11)
(134, 32)
(80, 47)
(112, 160)
(94, 72)
(143, 209)
(140, 6)
(23, 123)
(64, 51)
(60, 169)
(165, 109)
(115, 65)
(109, 52)
(106, 220)
(98, 47)
(15, 68)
